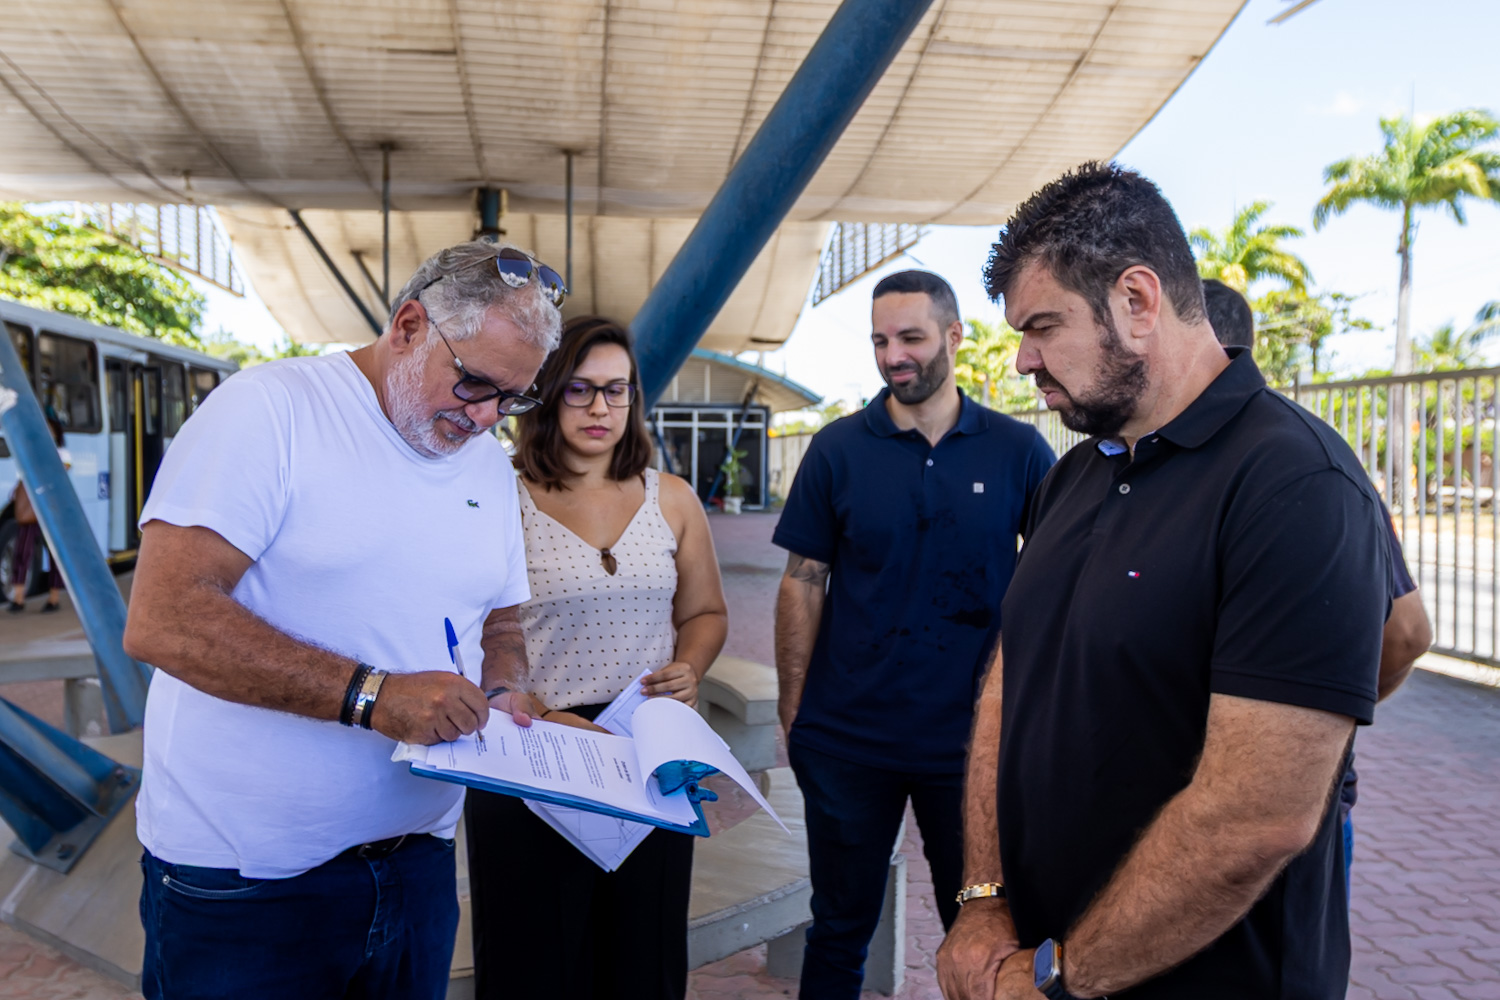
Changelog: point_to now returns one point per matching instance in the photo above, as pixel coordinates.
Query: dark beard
(1121, 381)
(928, 381)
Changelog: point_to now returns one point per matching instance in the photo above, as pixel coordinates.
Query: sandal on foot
(49, 607)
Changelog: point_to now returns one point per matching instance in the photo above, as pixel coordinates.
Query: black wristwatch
(1047, 971)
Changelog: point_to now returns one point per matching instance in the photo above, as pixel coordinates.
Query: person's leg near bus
(21, 558)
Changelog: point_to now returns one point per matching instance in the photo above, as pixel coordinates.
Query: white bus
(120, 399)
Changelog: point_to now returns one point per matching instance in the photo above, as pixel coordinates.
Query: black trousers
(549, 924)
(853, 812)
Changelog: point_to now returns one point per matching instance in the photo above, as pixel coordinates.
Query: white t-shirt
(361, 546)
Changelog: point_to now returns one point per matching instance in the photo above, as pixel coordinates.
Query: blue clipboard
(696, 795)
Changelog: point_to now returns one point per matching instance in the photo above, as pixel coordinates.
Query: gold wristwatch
(981, 891)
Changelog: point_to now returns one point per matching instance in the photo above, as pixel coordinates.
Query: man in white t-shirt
(310, 529)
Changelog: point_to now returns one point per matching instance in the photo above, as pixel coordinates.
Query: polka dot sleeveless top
(589, 634)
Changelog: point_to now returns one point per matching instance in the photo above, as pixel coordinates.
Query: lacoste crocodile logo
(473, 503)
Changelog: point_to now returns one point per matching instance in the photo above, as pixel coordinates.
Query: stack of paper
(595, 789)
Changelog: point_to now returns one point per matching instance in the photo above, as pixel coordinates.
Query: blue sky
(1264, 114)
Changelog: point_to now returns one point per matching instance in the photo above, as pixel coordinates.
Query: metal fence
(1434, 464)
(783, 456)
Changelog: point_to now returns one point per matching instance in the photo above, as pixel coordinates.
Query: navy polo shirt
(921, 542)
(1238, 552)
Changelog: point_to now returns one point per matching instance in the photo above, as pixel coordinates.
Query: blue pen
(457, 659)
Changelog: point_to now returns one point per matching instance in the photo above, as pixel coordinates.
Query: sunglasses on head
(516, 269)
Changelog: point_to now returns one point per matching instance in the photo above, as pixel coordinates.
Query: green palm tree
(986, 367)
(1445, 349)
(1441, 162)
(1486, 321)
(1246, 253)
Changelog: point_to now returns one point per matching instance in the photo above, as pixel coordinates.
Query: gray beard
(403, 395)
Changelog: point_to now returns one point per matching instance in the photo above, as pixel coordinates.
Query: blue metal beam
(100, 607)
(845, 63)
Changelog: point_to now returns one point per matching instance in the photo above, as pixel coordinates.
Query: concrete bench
(68, 660)
(738, 698)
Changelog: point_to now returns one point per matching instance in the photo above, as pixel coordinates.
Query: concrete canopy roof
(274, 104)
(616, 261)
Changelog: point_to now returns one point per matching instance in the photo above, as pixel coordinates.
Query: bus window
(68, 381)
(20, 336)
(151, 396)
(119, 404)
(204, 382)
(173, 397)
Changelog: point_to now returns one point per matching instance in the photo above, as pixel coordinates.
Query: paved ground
(1426, 907)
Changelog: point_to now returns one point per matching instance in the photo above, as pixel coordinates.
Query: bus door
(136, 444)
(120, 395)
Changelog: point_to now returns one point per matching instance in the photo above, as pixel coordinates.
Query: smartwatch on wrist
(1047, 971)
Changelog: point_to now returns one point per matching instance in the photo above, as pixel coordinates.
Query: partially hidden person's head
(1229, 314)
(591, 405)
(497, 309)
(1098, 277)
(916, 332)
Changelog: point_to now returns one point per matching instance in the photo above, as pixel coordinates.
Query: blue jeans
(853, 813)
(361, 929)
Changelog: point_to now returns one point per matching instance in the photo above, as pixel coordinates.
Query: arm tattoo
(808, 571)
(494, 626)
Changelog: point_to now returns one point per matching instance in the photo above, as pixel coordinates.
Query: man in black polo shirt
(902, 525)
(1192, 635)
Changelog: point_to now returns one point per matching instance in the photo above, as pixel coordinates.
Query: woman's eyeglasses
(581, 394)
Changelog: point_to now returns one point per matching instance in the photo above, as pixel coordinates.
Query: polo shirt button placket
(1124, 488)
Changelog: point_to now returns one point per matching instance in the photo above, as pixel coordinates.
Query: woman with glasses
(623, 580)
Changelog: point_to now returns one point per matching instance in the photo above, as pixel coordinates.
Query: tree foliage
(1447, 349)
(1246, 253)
(1437, 164)
(986, 367)
(51, 263)
(1291, 329)
(811, 421)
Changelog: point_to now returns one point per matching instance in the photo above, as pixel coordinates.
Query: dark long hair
(539, 442)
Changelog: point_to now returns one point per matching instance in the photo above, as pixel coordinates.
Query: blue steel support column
(101, 609)
(845, 63)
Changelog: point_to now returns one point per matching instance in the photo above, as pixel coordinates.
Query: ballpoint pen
(457, 659)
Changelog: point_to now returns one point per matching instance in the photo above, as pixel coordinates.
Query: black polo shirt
(1240, 552)
(921, 540)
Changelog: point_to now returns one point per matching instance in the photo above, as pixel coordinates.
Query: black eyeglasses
(581, 394)
(473, 389)
(516, 269)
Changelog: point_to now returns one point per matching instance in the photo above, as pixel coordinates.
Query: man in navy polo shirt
(902, 526)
